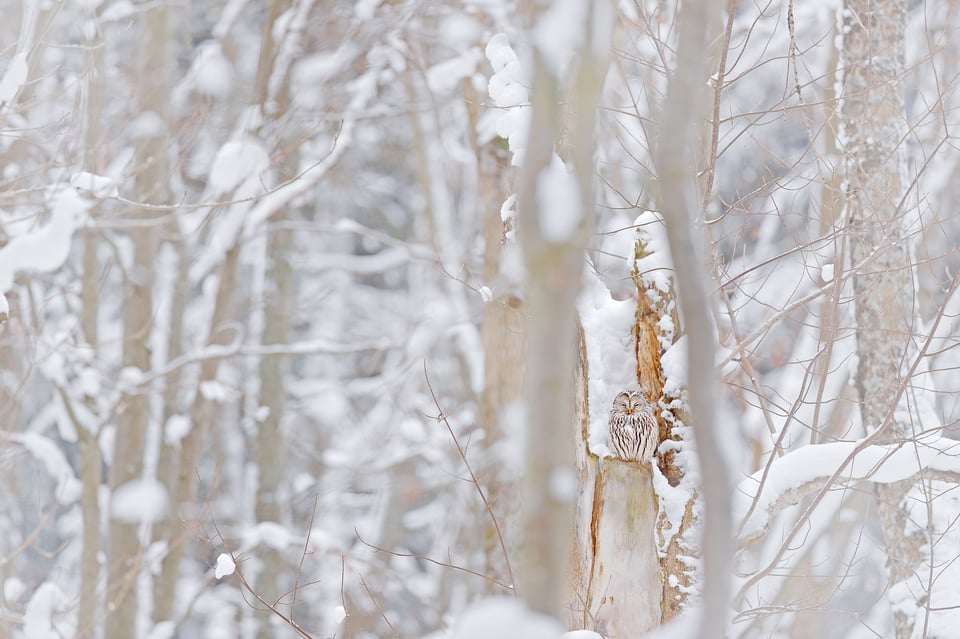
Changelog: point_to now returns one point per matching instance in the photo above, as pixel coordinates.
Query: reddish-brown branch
(441, 417)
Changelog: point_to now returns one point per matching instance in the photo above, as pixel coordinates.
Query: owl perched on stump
(633, 427)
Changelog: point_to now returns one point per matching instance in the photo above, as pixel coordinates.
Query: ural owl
(633, 427)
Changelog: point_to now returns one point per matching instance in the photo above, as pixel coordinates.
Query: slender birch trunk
(554, 266)
(90, 458)
(676, 161)
(271, 442)
(203, 412)
(504, 341)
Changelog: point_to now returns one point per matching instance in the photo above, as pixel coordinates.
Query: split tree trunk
(616, 570)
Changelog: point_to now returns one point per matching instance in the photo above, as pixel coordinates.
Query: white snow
(47, 248)
(237, 163)
(212, 73)
(39, 618)
(267, 533)
(176, 428)
(225, 566)
(564, 484)
(97, 186)
(459, 31)
(13, 78)
(48, 453)
(148, 124)
(674, 365)
(504, 618)
(507, 90)
(118, 10)
(581, 634)
(13, 589)
(89, 382)
(559, 207)
(129, 377)
(559, 33)
(655, 266)
(216, 391)
(444, 78)
(364, 9)
(139, 501)
(608, 333)
(826, 273)
(806, 467)
(163, 630)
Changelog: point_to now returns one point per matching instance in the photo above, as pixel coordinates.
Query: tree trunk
(676, 161)
(873, 118)
(151, 186)
(271, 455)
(554, 265)
(653, 337)
(90, 458)
(271, 443)
(202, 414)
(616, 569)
(504, 343)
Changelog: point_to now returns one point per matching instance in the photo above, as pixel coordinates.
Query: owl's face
(629, 402)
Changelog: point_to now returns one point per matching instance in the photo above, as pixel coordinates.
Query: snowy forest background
(314, 311)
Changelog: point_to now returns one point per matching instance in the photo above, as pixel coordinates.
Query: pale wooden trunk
(125, 549)
(90, 458)
(873, 118)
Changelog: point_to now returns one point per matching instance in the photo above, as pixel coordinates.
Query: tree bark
(873, 117)
(90, 458)
(203, 411)
(616, 569)
(271, 442)
(278, 295)
(553, 281)
(676, 160)
(504, 341)
(151, 185)
(652, 339)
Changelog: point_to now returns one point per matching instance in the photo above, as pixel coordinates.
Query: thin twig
(303, 555)
(396, 633)
(863, 445)
(794, 50)
(717, 93)
(431, 560)
(246, 585)
(441, 416)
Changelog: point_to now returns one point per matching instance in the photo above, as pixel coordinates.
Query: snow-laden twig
(236, 348)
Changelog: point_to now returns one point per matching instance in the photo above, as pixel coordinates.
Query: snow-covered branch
(811, 469)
